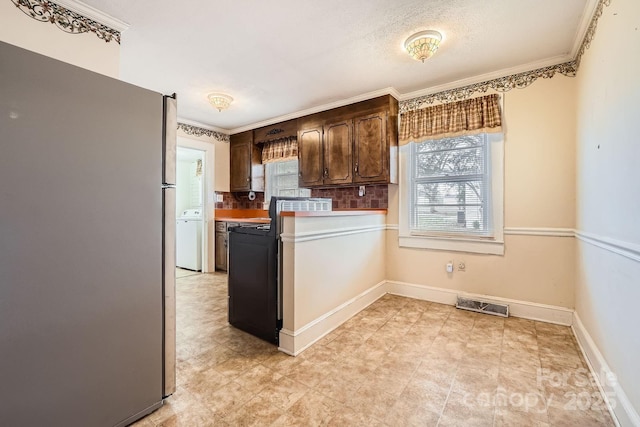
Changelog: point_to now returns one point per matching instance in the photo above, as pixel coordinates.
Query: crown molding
(95, 14)
(363, 97)
(591, 30)
(583, 27)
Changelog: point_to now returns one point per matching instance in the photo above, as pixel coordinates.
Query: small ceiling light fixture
(220, 100)
(423, 45)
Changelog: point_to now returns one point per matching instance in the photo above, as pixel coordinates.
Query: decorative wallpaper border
(519, 81)
(198, 131)
(501, 84)
(65, 19)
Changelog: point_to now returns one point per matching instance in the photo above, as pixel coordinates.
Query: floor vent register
(480, 306)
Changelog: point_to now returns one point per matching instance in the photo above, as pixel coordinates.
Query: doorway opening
(190, 211)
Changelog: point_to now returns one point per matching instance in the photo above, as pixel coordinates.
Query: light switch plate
(219, 198)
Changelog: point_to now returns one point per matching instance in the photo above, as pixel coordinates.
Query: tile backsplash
(240, 201)
(376, 197)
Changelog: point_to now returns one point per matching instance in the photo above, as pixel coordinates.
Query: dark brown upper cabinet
(337, 144)
(310, 157)
(351, 145)
(246, 169)
(370, 157)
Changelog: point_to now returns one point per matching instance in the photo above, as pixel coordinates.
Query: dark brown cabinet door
(337, 152)
(246, 168)
(221, 251)
(370, 160)
(310, 162)
(240, 167)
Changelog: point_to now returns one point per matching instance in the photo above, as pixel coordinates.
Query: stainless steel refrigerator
(87, 245)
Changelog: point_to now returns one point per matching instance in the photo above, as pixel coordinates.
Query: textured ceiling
(283, 56)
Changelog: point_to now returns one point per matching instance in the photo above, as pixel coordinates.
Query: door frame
(208, 197)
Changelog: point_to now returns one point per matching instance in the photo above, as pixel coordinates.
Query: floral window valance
(280, 150)
(457, 118)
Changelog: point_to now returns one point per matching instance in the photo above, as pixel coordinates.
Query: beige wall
(539, 186)
(84, 50)
(608, 188)
(222, 167)
(540, 154)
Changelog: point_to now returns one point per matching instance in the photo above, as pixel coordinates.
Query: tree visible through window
(450, 184)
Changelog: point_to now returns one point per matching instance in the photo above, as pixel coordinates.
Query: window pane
(450, 143)
(450, 193)
(467, 161)
(467, 219)
(450, 186)
(286, 181)
(287, 192)
(450, 206)
(289, 167)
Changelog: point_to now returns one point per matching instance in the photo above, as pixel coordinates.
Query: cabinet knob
(326, 171)
(355, 169)
(248, 179)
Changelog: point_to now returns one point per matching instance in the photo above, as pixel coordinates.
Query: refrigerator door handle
(169, 139)
(169, 290)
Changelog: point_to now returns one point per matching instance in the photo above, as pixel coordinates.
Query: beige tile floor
(183, 272)
(400, 362)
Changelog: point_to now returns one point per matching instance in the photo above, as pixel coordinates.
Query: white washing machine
(189, 240)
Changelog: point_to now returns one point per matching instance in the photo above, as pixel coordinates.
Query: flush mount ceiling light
(220, 100)
(423, 45)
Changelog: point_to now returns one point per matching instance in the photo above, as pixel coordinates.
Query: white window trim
(465, 243)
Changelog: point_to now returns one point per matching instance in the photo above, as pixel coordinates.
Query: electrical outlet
(219, 198)
(450, 267)
(461, 266)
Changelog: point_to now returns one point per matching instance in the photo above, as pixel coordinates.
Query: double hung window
(450, 187)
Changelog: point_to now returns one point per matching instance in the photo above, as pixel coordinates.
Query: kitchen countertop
(337, 212)
(241, 219)
(262, 217)
(255, 216)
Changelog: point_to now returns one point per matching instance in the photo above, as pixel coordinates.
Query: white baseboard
(524, 309)
(294, 342)
(427, 293)
(618, 403)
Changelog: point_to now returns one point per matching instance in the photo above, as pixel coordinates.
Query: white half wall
(333, 267)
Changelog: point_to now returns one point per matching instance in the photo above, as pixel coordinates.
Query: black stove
(254, 270)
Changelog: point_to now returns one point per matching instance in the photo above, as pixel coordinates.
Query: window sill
(455, 244)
